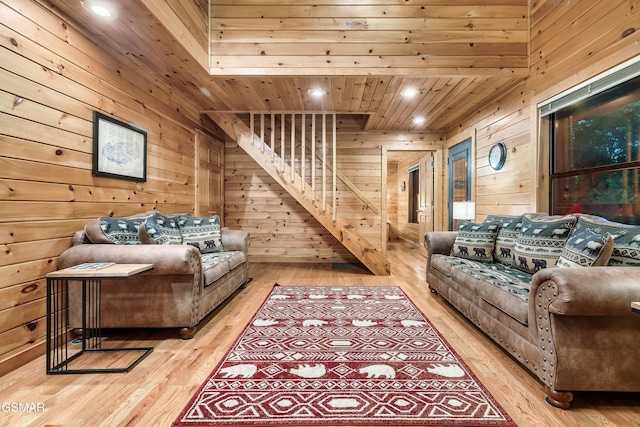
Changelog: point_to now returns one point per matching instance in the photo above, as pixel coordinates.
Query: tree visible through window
(596, 162)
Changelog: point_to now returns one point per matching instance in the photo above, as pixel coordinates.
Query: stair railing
(294, 132)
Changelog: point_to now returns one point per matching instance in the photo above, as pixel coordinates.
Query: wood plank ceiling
(265, 55)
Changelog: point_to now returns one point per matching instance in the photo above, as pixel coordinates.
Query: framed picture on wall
(119, 149)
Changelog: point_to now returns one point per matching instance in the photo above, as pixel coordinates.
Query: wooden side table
(63, 353)
(635, 307)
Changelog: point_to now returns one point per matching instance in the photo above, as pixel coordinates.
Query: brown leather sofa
(182, 288)
(572, 327)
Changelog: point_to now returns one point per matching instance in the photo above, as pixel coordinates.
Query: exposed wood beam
(372, 71)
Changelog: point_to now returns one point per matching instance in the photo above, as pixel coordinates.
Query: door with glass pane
(459, 162)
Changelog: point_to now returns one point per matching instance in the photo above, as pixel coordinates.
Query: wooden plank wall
(281, 229)
(570, 43)
(52, 78)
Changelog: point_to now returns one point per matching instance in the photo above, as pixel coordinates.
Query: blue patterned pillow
(508, 233)
(541, 241)
(475, 241)
(587, 246)
(626, 240)
(202, 232)
(160, 229)
(114, 230)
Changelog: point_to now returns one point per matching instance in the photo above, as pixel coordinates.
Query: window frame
(618, 76)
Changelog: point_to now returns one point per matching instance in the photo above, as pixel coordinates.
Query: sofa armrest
(439, 242)
(235, 240)
(587, 291)
(166, 259)
(581, 319)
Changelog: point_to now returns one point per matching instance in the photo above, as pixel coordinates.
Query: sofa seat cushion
(448, 264)
(444, 263)
(505, 288)
(217, 264)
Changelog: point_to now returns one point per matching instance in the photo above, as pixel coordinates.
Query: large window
(595, 165)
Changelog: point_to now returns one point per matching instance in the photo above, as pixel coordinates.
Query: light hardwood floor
(156, 390)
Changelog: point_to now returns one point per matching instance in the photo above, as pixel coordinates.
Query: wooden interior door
(209, 176)
(425, 207)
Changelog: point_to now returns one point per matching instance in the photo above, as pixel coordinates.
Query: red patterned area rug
(341, 356)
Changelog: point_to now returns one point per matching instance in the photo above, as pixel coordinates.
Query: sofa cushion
(586, 247)
(114, 230)
(541, 241)
(202, 232)
(443, 263)
(475, 241)
(446, 263)
(503, 287)
(506, 238)
(237, 258)
(626, 240)
(460, 273)
(215, 265)
(161, 229)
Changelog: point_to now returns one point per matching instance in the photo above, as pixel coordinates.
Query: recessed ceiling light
(410, 92)
(103, 8)
(418, 120)
(316, 92)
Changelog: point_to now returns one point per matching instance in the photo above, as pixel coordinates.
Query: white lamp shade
(464, 210)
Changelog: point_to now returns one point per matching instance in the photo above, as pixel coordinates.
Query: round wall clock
(497, 155)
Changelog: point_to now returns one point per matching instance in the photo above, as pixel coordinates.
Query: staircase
(314, 200)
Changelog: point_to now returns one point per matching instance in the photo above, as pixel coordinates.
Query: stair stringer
(344, 232)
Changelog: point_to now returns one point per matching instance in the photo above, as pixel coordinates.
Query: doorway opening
(409, 195)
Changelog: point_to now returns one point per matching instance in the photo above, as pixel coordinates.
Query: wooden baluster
(313, 154)
(262, 132)
(335, 183)
(293, 148)
(302, 154)
(252, 127)
(324, 161)
(273, 137)
(282, 124)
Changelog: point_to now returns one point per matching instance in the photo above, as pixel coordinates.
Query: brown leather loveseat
(196, 266)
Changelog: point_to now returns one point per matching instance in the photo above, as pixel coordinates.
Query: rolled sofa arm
(439, 242)
(166, 259)
(586, 291)
(235, 240)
